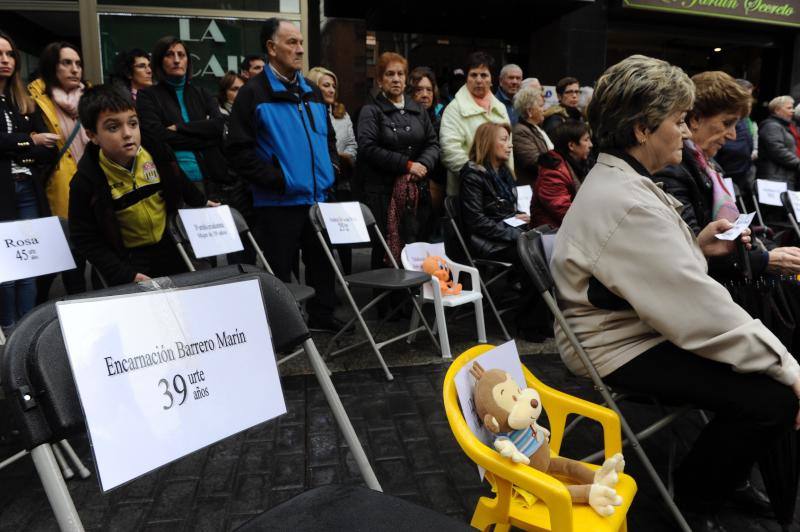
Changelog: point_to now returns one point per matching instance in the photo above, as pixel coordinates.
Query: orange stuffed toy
(437, 267)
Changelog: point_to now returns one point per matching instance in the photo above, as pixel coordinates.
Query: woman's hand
(713, 246)
(173, 127)
(210, 203)
(524, 217)
(140, 278)
(48, 140)
(418, 170)
(784, 260)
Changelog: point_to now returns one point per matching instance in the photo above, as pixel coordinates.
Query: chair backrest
(318, 222)
(454, 232)
(534, 260)
(787, 203)
(35, 371)
(239, 221)
(413, 254)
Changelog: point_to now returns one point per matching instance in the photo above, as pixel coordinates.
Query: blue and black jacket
(282, 142)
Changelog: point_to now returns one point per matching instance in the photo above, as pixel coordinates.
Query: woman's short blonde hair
(638, 90)
(482, 145)
(779, 101)
(525, 99)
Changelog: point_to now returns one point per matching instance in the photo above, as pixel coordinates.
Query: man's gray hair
(508, 68)
(525, 99)
(779, 101)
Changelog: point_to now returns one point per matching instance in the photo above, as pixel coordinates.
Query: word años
(181, 390)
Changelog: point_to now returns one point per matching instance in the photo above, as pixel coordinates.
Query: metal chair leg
(82, 469)
(56, 489)
(62, 463)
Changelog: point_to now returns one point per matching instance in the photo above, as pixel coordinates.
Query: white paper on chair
(794, 198)
(211, 231)
(514, 221)
(729, 185)
(524, 196)
(162, 374)
(344, 222)
(769, 192)
(504, 357)
(31, 248)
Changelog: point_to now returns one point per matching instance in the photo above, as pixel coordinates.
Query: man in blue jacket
(281, 141)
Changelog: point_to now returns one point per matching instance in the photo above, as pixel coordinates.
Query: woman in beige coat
(632, 280)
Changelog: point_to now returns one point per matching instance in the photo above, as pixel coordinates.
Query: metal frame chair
(787, 204)
(432, 293)
(453, 223)
(37, 380)
(533, 259)
(385, 280)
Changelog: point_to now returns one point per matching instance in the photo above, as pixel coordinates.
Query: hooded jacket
(282, 142)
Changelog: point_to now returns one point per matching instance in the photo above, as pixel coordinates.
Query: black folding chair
(787, 205)
(384, 280)
(531, 252)
(457, 249)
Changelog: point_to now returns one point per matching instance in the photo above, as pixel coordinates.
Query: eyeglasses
(68, 63)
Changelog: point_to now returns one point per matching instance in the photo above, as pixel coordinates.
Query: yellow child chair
(553, 509)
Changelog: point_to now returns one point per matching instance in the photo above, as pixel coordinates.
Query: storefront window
(282, 6)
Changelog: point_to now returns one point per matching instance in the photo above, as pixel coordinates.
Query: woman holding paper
(24, 147)
(631, 278)
(697, 182)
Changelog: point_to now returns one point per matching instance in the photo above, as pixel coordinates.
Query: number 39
(180, 389)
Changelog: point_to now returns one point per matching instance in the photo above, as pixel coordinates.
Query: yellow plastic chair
(553, 509)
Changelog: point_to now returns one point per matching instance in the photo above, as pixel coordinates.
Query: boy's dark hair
(245, 66)
(269, 29)
(563, 83)
(101, 98)
(160, 49)
(479, 59)
(570, 131)
(48, 63)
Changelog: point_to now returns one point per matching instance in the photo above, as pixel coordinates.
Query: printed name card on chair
(211, 231)
(344, 222)
(524, 197)
(162, 374)
(769, 192)
(31, 248)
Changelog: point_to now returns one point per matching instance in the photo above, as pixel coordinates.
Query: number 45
(22, 255)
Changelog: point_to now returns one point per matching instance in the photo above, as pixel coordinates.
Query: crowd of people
(634, 183)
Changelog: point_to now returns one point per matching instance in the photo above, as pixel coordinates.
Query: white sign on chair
(344, 222)
(769, 192)
(162, 374)
(794, 198)
(524, 197)
(504, 357)
(30, 248)
(211, 231)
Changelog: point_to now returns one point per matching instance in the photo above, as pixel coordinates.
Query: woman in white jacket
(632, 280)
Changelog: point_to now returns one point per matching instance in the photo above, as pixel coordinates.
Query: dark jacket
(558, 114)
(158, 108)
(509, 103)
(690, 185)
(529, 145)
(439, 173)
(94, 229)
(19, 148)
(483, 210)
(735, 157)
(388, 138)
(777, 156)
(282, 142)
(554, 190)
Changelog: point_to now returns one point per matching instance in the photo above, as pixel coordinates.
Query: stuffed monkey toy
(511, 413)
(437, 267)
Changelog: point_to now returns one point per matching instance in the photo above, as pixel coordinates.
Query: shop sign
(782, 12)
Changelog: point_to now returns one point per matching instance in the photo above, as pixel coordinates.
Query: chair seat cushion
(300, 292)
(351, 508)
(388, 279)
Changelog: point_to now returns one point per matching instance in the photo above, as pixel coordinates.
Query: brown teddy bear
(511, 413)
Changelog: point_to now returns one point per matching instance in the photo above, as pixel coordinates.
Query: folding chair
(533, 259)
(457, 249)
(431, 292)
(385, 280)
(36, 378)
(787, 205)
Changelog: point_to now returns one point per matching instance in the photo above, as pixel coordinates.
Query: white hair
(529, 81)
(779, 101)
(526, 98)
(508, 68)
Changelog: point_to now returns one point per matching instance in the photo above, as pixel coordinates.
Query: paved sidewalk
(402, 427)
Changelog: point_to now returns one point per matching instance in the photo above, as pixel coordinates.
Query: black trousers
(751, 411)
(159, 260)
(280, 232)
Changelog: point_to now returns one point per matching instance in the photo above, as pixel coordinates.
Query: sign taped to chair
(524, 197)
(769, 192)
(344, 222)
(504, 357)
(211, 231)
(162, 374)
(794, 199)
(31, 248)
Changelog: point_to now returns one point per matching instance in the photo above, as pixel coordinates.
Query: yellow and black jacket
(95, 211)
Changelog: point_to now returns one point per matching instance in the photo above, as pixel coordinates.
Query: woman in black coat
(185, 117)
(395, 138)
(23, 153)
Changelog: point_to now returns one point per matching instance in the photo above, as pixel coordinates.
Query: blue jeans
(19, 297)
